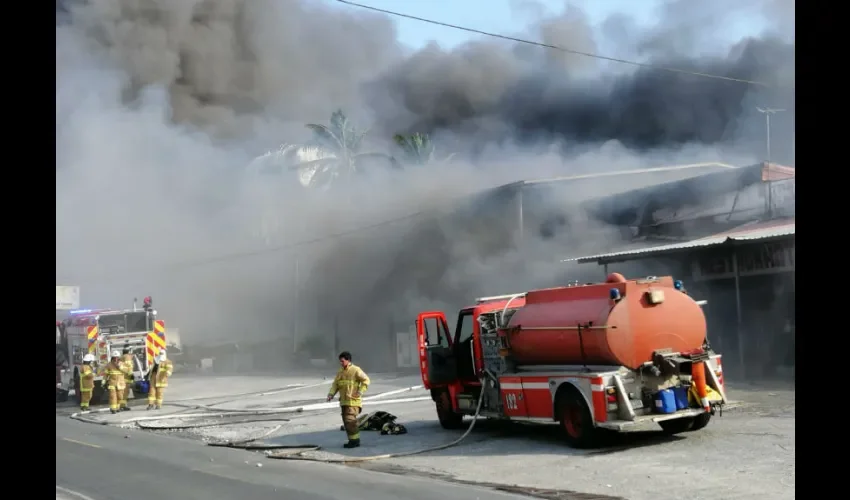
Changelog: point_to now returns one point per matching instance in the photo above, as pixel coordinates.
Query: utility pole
(767, 112)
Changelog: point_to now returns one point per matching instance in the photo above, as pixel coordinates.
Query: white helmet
(116, 354)
(88, 358)
(161, 357)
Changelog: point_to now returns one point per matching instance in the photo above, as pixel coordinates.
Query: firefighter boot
(126, 408)
(113, 411)
(150, 407)
(352, 443)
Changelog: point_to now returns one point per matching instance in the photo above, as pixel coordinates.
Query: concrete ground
(746, 453)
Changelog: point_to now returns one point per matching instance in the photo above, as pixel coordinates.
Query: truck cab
(451, 362)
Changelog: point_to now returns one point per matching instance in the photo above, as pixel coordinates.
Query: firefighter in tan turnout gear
(115, 381)
(351, 382)
(126, 367)
(160, 372)
(86, 381)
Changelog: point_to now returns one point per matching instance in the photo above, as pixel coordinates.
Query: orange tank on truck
(584, 325)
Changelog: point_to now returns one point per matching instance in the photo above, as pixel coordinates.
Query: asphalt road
(102, 463)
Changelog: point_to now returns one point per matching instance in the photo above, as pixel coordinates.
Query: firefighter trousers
(85, 398)
(349, 421)
(125, 395)
(155, 396)
(115, 396)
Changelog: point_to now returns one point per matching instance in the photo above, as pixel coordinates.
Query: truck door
(436, 357)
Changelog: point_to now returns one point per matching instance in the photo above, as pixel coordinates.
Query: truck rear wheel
(701, 421)
(445, 412)
(576, 421)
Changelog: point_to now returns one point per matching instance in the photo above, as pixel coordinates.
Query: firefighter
(351, 382)
(115, 381)
(86, 381)
(160, 372)
(127, 362)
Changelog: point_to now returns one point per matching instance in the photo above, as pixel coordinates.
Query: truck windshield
(137, 321)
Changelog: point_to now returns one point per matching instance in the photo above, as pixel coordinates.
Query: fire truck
(102, 331)
(619, 355)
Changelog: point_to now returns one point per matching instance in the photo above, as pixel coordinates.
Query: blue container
(681, 394)
(665, 401)
(143, 386)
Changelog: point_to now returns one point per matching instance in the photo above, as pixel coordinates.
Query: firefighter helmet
(116, 354)
(88, 358)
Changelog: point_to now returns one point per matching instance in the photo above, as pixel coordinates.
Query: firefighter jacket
(127, 367)
(114, 376)
(161, 372)
(350, 381)
(86, 378)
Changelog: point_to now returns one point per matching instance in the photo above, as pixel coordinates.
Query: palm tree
(335, 151)
(418, 149)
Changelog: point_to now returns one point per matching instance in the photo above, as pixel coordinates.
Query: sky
(511, 16)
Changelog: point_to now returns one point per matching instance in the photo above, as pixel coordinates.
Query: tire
(445, 412)
(677, 426)
(576, 421)
(77, 395)
(701, 421)
(97, 393)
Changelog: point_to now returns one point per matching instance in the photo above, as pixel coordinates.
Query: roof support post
(738, 310)
(605, 269)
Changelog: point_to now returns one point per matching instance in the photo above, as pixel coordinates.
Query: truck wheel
(701, 421)
(445, 413)
(677, 426)
(97, 393)
(77, 395)
(575, 419)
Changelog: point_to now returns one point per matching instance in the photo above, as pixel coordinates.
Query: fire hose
(297, 455)
(300, 449)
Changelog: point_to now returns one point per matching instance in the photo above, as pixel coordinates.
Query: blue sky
(501, 16)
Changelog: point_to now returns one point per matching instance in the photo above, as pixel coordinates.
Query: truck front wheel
(576, 421)
(445, 412)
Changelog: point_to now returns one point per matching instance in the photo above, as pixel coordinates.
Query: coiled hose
(297, 455)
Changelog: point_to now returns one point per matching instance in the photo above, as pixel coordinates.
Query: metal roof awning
(747, 232)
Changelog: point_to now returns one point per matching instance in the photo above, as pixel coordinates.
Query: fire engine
(618, 355)
(102, 331)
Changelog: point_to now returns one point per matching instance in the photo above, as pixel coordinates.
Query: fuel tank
(595, 325)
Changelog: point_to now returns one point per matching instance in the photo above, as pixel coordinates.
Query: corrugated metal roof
(746, 232)
(673, 168)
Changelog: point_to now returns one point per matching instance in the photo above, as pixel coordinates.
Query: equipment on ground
(102, 333)
(612, 355)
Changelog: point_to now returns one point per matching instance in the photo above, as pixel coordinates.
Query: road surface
(103, 463)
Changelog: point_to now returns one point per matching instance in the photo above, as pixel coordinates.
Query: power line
(555, 47)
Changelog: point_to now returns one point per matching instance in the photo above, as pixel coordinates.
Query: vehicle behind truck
(615, 355)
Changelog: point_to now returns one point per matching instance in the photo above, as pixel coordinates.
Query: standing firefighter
(127, 361)
(86, 381)
(114, 381)
(351, 382)
(160, 372)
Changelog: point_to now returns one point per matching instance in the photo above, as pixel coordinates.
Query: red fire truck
(612, 355)
(102, 331)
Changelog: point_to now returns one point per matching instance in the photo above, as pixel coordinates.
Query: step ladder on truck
(102, 331)
(618, 355)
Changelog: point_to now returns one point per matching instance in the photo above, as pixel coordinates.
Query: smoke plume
(162, 103)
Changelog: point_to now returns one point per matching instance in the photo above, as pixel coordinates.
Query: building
(733, 243)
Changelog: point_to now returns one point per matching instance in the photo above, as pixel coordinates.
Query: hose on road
(81, 416)
(200, 425)
(297, 455)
